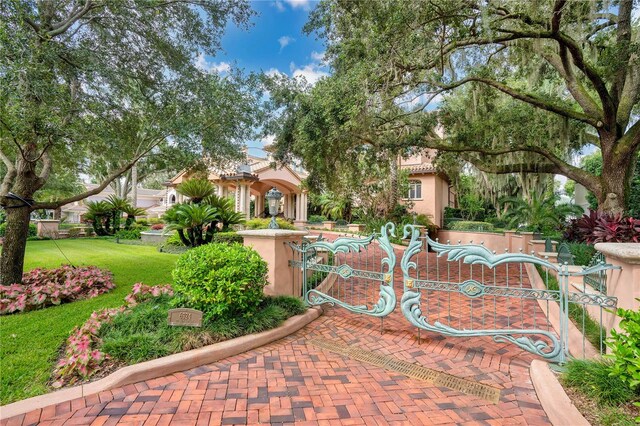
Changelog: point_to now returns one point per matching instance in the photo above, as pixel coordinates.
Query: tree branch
(66, 24)
(7, 181)
(530, 99)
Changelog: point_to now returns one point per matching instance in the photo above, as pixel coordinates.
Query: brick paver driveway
(294, 382)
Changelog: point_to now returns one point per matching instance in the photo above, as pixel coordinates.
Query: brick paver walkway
(293, 382)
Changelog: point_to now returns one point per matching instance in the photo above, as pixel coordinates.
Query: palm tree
(131, 213)
(196, 189)
(118, 205)
(335, 207)
(227, 215)
(194, 223)
(540, 214)
(99, 214)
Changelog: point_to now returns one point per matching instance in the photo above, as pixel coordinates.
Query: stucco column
(304, 206)
(270, 245)
(622, 283)
(300, 210)
(287, 205)
(238, 199)
(247, 202)
(219, 190)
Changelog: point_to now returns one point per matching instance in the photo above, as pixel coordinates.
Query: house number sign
(185, 317)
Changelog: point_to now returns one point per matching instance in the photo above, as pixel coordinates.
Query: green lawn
(29, 343)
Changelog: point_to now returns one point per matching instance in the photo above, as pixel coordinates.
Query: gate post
(270, 245)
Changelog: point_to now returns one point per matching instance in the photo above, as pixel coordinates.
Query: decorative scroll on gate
(477, 292)
(356, 273)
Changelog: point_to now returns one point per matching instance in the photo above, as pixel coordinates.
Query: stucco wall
(434, 198)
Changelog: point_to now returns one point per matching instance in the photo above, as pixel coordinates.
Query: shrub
(227, 238)
(314, 218)
(625, 348)
(45, 287)
(220, 279)
(142, 222)
(264, 224)
(131, 234)
(74, 232)
(598, 227)
(154, 220)
(89, 232)
(582, 253)
(33, 230)
(157, 226)
(452, 212)
(465, 225)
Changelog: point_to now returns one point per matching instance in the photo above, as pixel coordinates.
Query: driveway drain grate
(415, 371)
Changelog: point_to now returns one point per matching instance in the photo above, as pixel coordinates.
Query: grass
(143, 334)
(607, 399)
(29, 342)
(579, 316)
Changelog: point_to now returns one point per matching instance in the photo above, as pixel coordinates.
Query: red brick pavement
(293, 382)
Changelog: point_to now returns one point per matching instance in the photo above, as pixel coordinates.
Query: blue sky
(274, 42)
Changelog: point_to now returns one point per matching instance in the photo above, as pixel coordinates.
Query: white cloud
(317, 56)
(279, 5)
(273, 72)
(285, 41)
(311, 72)
(210, 67)
(302, 4)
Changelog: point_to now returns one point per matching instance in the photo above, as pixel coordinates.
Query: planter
(356, 227)
(153, 237)
(329, 225)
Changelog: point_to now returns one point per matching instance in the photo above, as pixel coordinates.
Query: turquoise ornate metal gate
(505, 309)
(353, 273)
(458, 291)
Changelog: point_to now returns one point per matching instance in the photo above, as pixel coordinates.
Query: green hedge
(227, 238)
(264, 224)
(33, 230)
(467, 225)
(131, 234)
(582, 253)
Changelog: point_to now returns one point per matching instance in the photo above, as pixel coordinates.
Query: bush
(465, 225)
(625, 349)
(227, 238)
(154, 220)
(220, 279)
(314, 218)
(452, 212)
(89, 232)
(74, 232)
(264, 224)
(142, 222)
(601, 227)
(45, 287)
(582, 253)
(157, 226)
(33, 230)
(131, 234)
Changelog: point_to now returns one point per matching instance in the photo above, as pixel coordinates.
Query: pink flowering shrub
(157, 226)
(46, 287)
(81, 359)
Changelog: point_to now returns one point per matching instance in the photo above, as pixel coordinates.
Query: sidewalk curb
(164, 366)
(553, 398)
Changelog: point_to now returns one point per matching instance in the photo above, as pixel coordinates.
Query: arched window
(415, 190)
(172, 199)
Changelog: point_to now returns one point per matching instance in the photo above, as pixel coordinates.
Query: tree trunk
(615, 180)
(134, 186)
(14, 245)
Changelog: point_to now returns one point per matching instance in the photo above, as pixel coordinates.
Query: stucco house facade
(429, 190)
(251, 181)
(147, 199)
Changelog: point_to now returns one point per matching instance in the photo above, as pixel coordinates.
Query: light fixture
(273, 197)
